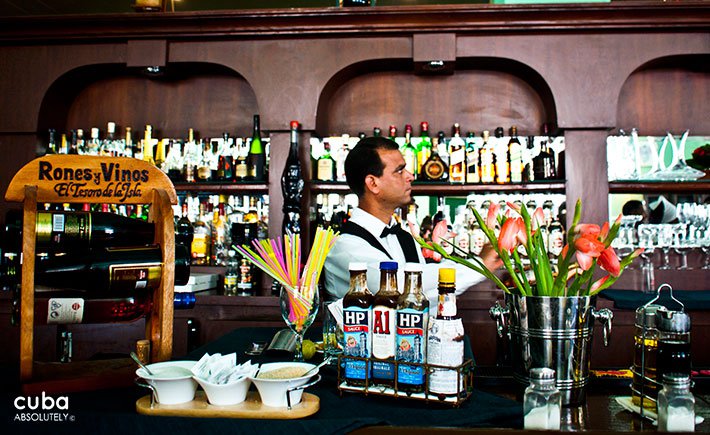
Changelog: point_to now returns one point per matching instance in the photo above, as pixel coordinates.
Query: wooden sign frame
(102, 180)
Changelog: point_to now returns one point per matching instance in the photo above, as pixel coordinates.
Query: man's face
(395, 184)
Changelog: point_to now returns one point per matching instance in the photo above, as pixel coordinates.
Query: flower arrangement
(588, 245)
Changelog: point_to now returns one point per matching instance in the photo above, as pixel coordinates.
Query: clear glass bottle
(231, 274)
(542, 403)
(645, 356)
(676, 404)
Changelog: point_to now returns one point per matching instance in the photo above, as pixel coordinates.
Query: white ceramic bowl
(172, 381)
(225, 394)
(273, 391)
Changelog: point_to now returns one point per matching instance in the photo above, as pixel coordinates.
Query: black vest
(406, 241)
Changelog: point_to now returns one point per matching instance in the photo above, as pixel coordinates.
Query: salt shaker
(676, 404)
(542, 402)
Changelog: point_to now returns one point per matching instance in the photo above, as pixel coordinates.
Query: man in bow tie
(375, 172)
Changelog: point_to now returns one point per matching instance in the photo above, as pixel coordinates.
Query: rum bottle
(292, 186)
(357, 327)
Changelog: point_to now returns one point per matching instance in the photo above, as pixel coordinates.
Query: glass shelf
(458, 189)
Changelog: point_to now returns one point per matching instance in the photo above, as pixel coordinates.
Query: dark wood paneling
(209, 99)
(658, 98)
(477, 99)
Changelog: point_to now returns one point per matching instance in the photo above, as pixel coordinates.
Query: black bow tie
(394, 229)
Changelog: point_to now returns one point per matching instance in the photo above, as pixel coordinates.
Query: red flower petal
(585, 261)
(598, 283)
(588, 230)
(491, 218)
(589, 246)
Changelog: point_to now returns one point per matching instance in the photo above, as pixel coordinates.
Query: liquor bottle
(204, 171)
(515, 152)
(424, 148)
(434, 168)
(409, 152)
(76, 230)
(110, 272)
(340, 161)
(184, 231)
(384, 308)
(292, 186)
(502, 159)
(92, 147)
(488, 169)
(107, 145)
(351, 3)
(73, 147)
(231, 274)
(478, 238)
(190, 157)
(63, 146)
(472, 160)
(147, 145)
(445, 339)
(128, 146)
(219, 236)
(325, 166)
(411, 323)
(241, 168)
(457, 156)
(544, 162)
(443, 147)
(376, 132)
(256, 159)
(201, 240)
(80, 142)
(357, 327)
(52, 142)
(392, 132)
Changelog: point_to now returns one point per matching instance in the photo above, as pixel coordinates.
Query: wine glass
(299, 309)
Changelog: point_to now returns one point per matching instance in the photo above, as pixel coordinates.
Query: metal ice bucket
(553, 332)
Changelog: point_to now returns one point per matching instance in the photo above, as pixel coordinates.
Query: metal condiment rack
(645, 379)
(464, 378)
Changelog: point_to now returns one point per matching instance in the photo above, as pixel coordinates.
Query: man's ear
(372, 184)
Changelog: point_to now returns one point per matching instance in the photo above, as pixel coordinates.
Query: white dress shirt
(349, 248)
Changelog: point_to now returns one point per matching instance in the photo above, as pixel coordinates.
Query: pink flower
(512, 234)
(492, 217)
(588, 248)
(537, 219)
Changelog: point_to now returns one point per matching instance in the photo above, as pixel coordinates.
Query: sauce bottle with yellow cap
(445, 339)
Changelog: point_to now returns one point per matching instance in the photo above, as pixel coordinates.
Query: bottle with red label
(384, 309)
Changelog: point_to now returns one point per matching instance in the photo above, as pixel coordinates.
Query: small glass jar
(673, 343)
(542, 403)
(676, 404)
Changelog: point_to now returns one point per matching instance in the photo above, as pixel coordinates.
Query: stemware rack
(464, 379)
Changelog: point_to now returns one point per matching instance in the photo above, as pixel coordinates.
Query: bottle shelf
(428, 188)
(241, 186)
(700, 186)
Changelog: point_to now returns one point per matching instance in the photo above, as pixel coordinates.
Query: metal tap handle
(605, 316)
(499, 314)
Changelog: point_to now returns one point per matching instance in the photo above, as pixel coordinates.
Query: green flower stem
(511, 270)
(523, 276)
(612, 279)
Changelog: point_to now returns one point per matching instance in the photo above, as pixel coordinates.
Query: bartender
(375, 172)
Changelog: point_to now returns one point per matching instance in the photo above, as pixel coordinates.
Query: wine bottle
(325, 165)
(424, 147)
(76, 230)
(184, 231)
(292, 185)
(256, 160)
(109, 272)
(64, 310)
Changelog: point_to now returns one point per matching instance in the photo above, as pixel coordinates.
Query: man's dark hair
(363, 160)
(633, 207)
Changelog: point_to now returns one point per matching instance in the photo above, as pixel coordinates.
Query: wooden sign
(64, 178)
